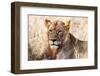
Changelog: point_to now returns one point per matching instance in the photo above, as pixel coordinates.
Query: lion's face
(57, 32)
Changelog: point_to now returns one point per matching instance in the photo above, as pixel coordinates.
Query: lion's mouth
(54, 44)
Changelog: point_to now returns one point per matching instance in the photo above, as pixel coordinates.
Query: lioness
(62, 44)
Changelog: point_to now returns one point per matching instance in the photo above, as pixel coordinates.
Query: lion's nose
(53, 40)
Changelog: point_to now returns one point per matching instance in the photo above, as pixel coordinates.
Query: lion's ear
(68, 24)
(47, 22)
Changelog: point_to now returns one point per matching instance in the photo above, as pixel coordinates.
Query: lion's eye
(50, 30)
(60, 31)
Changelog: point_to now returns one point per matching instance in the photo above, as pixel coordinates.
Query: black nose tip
(53, 40)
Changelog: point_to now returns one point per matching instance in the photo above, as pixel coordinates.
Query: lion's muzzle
(54, 44)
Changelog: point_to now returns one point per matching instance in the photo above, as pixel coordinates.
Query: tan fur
(57, 31)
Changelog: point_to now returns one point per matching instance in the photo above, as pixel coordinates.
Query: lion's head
(57, 31)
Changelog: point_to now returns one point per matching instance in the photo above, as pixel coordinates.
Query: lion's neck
(67, 42)
(67, 39)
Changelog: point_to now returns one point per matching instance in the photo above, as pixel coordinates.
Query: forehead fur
(51, 24)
